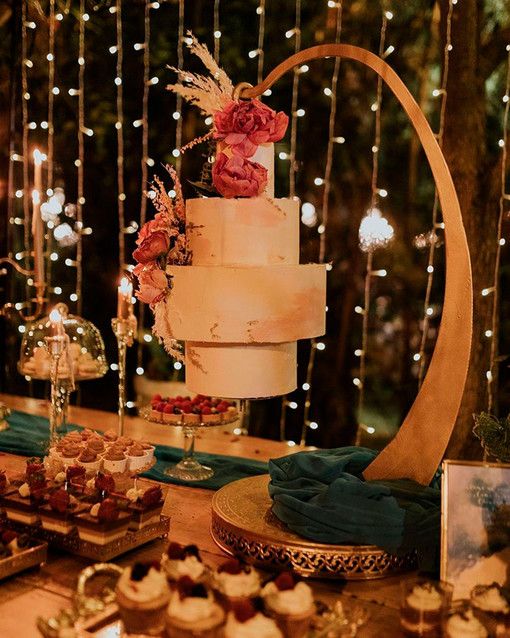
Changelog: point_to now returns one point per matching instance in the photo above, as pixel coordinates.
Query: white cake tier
(247, 304)
(264, 155)
(241, 371)
(252, 231)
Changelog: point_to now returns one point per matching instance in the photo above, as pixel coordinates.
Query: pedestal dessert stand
(189, 467)
(417, 450)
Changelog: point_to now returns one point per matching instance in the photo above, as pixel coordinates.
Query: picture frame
(475, 525)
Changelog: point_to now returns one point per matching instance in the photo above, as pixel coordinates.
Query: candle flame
(55, 316)
(125, 286)
(38, 157)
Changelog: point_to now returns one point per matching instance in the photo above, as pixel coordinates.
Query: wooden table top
(44, 592)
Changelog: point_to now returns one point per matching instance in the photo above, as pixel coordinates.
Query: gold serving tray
(244, 525)
(31, 557)
(101, 553)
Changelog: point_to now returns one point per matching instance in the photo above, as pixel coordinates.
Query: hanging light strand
(217, 32)
(296, 33)
(436, 225)
(504, 197)
(261, 10)
(51, 94)
(325, 209)
(145, 152)
(178, 105)
(121, 195)
(25, 97)
(81, 158)
(370, 246)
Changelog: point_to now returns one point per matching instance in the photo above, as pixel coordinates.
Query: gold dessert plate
(244, 525)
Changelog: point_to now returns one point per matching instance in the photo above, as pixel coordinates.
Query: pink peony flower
(153, 283)
(246, 124)
(152, 246)
(238, 177)
(160, 222)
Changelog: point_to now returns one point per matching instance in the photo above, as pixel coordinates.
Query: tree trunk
(476, 183)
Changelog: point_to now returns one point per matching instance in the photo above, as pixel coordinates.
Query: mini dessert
(103, 523)
(149, 450)
(101, 485)
(137, 457)
(142, 596)
(491, 607)
(235, 583)
(193, 613)
(22, 505)
(70, 453)
(96, 443)
(422, 611)
(291, 604)
(464, 625)
(86, 434)
(115, 461)
(89, 460)
(145, 506)
(75, 478)
(179, 561)
(200, 409)
(110, 435)
(246, 622)
(58, 514)
(13, 543)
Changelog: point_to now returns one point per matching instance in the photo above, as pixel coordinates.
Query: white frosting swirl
(425, 598)
(24, 490)
(133, 494)
(244, 584)
(152, 586)
(94, 510)
(60, 477)
(189, 566)
(490, 599)
(257, 627)
(465, 626)
(289, 601)
(190, 608)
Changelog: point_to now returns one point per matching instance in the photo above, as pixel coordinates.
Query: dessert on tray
(244, 621)
(464, 624)
(145, 506)
(422, 610)
(103, 523)
(183, 560)
(235, 582)
(290, 603)
(193, 612)
(142, 596)
(58, 514)
(491, 607)
(196, 410)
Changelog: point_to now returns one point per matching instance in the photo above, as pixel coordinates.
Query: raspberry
(169, 408)
(232, 566)
(207, 402)
(221, 408)
(59, 501)
(161, 406)
(175, 551)
(285, 581)
(206, 410)
(244, 610)
(156, 398)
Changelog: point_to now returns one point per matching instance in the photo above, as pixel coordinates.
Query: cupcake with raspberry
(183, 560)
(491, 607)
(235, 582)
(115, 461)
(193, 612)
(246, 621)
(290, 603)
(464, 624)
(142, 596)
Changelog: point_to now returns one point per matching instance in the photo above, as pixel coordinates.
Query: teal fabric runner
(322, 496)
(28, 436)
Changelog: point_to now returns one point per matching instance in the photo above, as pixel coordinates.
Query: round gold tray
(244, 525)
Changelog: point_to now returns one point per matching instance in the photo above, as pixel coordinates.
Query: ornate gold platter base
(244, 525)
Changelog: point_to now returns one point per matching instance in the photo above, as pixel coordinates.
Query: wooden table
(44, 592)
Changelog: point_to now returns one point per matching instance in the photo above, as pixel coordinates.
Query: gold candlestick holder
(57, 346)
(124, 331)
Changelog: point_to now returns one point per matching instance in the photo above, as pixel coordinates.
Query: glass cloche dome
(85, 356)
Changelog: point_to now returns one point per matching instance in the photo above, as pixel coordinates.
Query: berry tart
(103, 523)
(142, 596)
(183, 560)
(57, 515)
(193, 612)
(145, 506)
(200, 409)
(235, 582)
(245, 621)
(290, 603)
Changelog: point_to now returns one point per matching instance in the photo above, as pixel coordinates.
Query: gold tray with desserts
(74, 545)
(147, 413)
(30, 557)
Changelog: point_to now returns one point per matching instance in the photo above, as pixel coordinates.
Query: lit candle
(37, 222)
(56, 323)
(125, 293)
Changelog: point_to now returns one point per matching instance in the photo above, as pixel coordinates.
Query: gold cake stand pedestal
(244, 525)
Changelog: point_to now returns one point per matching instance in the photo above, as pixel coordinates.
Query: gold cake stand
(244, 525)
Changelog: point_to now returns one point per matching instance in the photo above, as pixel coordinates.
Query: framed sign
(475, 525)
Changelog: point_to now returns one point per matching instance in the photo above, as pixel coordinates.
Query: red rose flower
(153, 283)
(238, 177)
(153, 246)
(246, 124)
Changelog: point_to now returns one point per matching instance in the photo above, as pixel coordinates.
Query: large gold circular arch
(419, 446)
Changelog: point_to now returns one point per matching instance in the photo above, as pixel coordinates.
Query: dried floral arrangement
(494, 435)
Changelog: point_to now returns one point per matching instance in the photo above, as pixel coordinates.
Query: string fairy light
(145, 152)
(51, 93)
(504, 197)
(25, 97)
(374, 232)
(81, 157)
(178, 104)
(295, 112)
(216, 30)
(436, 224)
(261, 12)
(121, 195)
